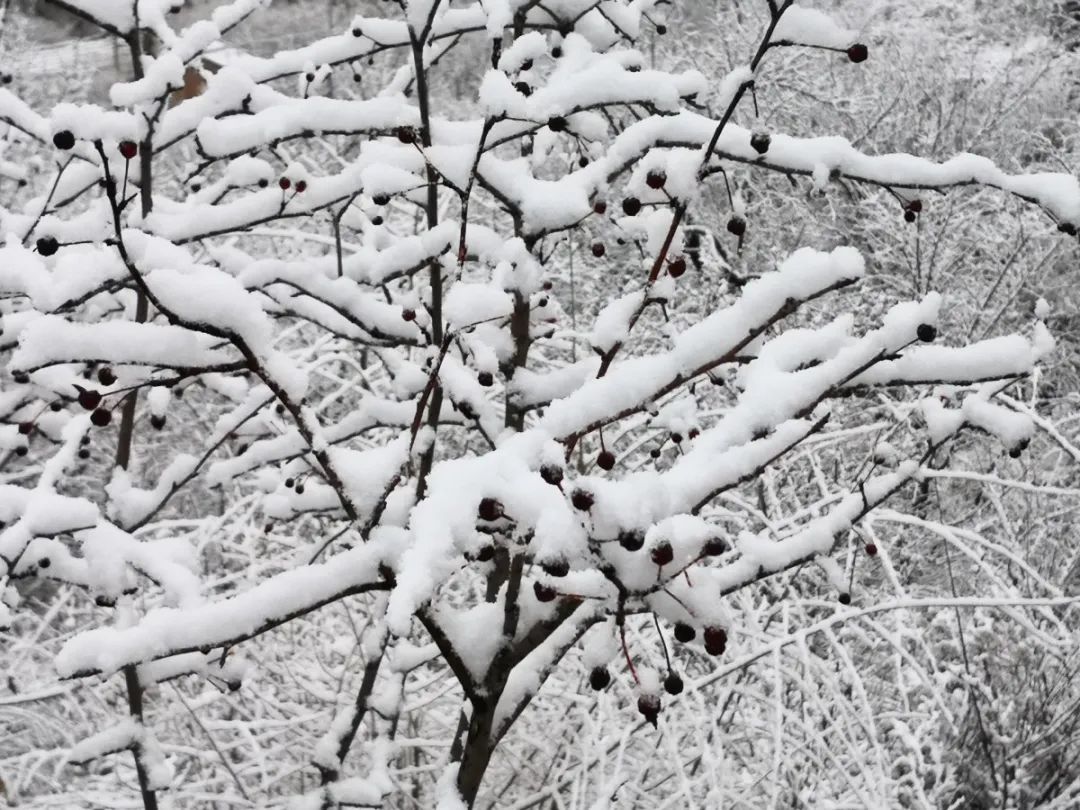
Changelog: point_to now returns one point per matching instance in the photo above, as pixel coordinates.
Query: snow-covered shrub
(453, 357)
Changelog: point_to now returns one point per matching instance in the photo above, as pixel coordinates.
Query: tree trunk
(479, 745)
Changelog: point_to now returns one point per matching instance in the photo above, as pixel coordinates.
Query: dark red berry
(485, 378)
(47, 245)
(655, 180)
(89, 399)
(582, 499)
(551, 474)
(309, 77)
(84, 453)
(926, 332)
(661, 29)
(64, 140)
(857, 53)
(715, 640)
(56, 406)
(599, 207)
(408, 314)
(21, 377)
(663, 553)
(22, 450)
(381, 199)
(760, 142)
(542, 592)
(684, 633)
(598, 249)
(654, 453)
(632, 540)
(845, 598)
(606, 460)
(736, 226)
(557, 124)
(676, 267)
(284, 183)
(631, 206)
(356, 32)
(101, 417)
(289, 483)
(556, 52)
(582, 161)
(44, 562)
(25, 428)
(106, 376)
(526, 65)
(1016, 451)
(871, 550)
(673, 684)
(556, 568)
(914, 205)
(301, 186)
(405, 134)
(129, 149)
(909, 216)
(599, 678)
(299, 489)
(157, 421)
(489, 509)
(1067, 228)
(714, 547)
(649, 707)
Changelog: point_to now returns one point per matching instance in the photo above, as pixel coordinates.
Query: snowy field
(572, 405)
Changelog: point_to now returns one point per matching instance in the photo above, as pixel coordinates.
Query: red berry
(663, 553)
(551, 474)
(871, 550)
(909, 216)
(64, 140)
(914, 205)
(655, 180)
(632, 540)
(599, 678)
(715, 640)
(845, 598)
(736, 226)
(631, 206)
(556, 568)
(677, 267)
(649, 707)
(47, 245)
(543, 593)
(301, 186)
(582, 499)
(673, 684)
(106, 376)
(760, 142)
(857, 53)
(598, 249)
(684, 632)
(485, 379)
(129, 149)
(557, 124)
(606, 460)
(714, 547)
(926, 332)
(157, 421)
(599, 207)
(408, 314)
(489, 509)
(405, 134)
(101, 417)
(89, 399)
(25, 428)
(284, 183)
